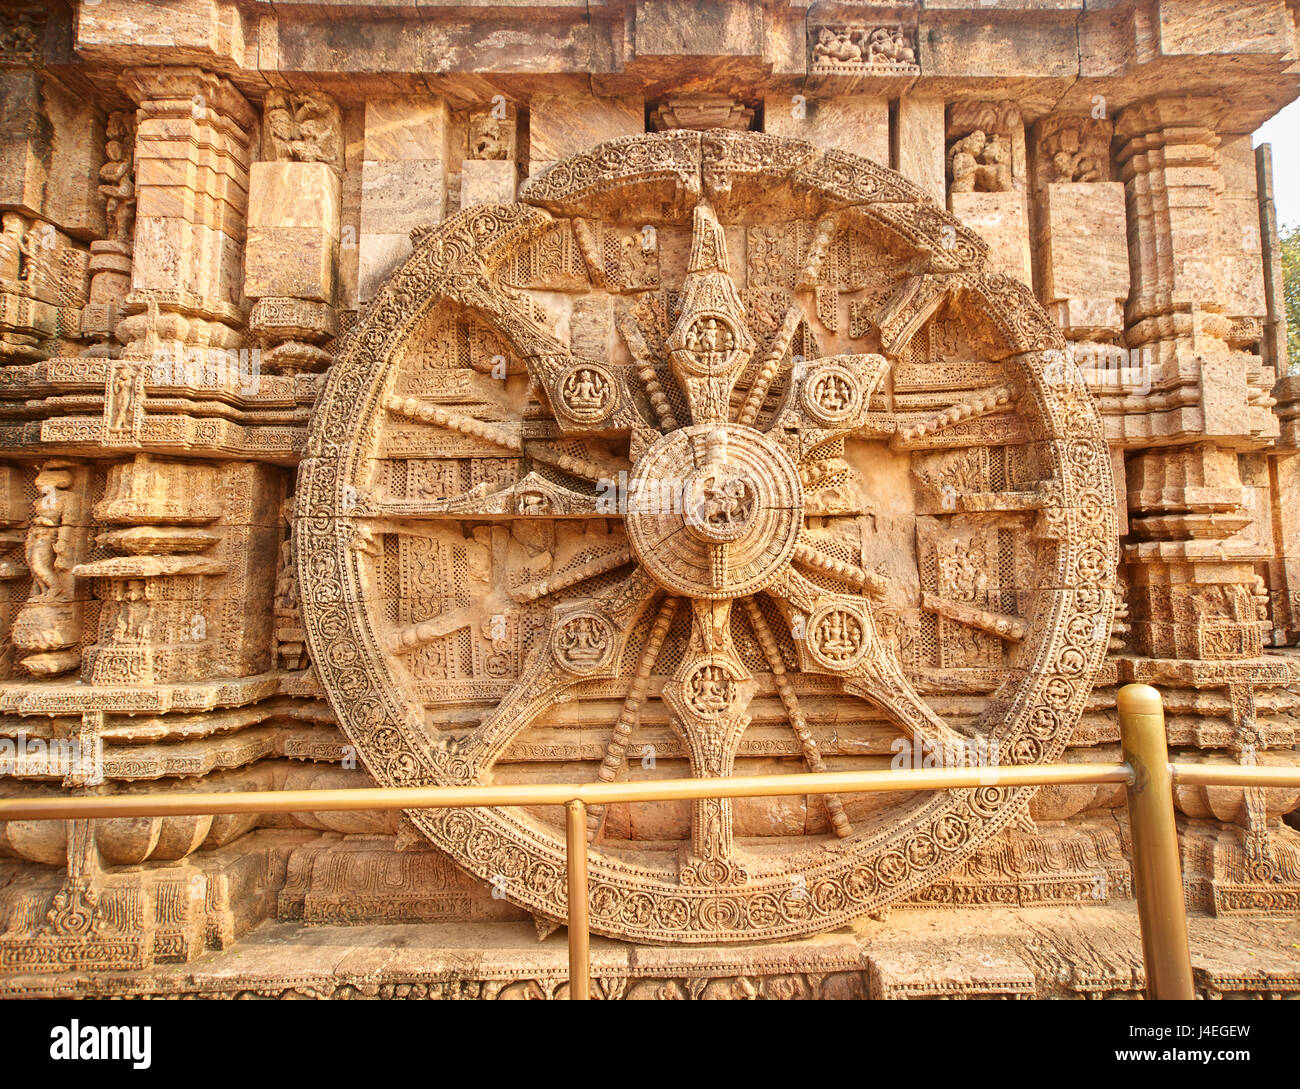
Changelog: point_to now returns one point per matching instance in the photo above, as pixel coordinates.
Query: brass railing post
(579, 929)
(1157, 874)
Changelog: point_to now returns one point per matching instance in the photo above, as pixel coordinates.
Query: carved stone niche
(1072, 149)
(191, 560)
(302, 127)
(110, 261)
(1082, 239)
(985, 147)
(698, 518)
(291, 252)
(493, 132)
(987, 180)
(490, 170)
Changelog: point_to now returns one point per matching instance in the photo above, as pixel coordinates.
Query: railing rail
(1146, 772)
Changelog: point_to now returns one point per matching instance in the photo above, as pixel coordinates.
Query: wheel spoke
(812, 756)
(585, 641)
(615, 760)
(707, 698)
(841, 639)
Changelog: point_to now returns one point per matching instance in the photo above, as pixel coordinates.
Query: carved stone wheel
(717, 454)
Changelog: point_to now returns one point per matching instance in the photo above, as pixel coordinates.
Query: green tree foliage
(1290, 239)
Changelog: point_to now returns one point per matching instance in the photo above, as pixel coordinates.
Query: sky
(1283, 132)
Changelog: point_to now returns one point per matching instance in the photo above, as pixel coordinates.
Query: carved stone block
(1002, 220)
(1083, 257)
(488, 181)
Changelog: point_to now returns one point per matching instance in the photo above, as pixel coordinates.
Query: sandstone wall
(200, 199)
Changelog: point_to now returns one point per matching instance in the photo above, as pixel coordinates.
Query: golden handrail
(1146, 772)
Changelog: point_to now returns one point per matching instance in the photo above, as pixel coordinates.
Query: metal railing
(1145, 771)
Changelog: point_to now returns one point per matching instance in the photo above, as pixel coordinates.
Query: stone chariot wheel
(717, 454)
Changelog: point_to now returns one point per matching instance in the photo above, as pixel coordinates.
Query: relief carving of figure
(963, 161)
(50, 622)
(888, 45)
(979, 163)
(121, 399)
(1075, 149)
(48, 538)
(132, 625)
(117, 181)
(305, 127)
(836, 46)
(491, 134)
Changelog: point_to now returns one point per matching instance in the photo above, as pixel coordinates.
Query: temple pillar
(1203, 395)
(1283, 463)
(193, 544)
(1203, 532)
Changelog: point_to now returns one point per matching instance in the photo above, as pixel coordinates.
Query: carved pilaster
(987, 181)
(1194, 575)
(291, 260)
(186, 279)
(193, 548)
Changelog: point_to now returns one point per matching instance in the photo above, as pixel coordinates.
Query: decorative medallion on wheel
(716, 455)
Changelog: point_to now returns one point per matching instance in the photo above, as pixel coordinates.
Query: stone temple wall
(206, 203)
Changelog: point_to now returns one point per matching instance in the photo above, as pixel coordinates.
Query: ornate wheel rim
(738, 419)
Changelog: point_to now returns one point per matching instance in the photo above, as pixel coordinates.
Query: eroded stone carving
(303, 127)
(493, 131)
(117, 183)
(48, 629)
(979, 163)
(701, 112)
(855, 46)
(1075, 149)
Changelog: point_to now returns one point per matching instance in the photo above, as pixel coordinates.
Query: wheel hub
(714, 510)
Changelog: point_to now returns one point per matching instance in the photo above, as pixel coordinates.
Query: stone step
(1066, 952)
